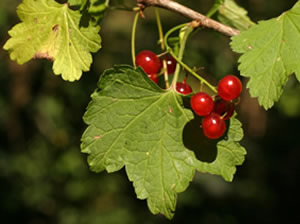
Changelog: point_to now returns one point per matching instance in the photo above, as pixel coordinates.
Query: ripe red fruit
(183, 88)
(148, 61)
(171, 64)
(229, 87)
(224, 108)
(213, 126)
(153, 77)
(202, 104)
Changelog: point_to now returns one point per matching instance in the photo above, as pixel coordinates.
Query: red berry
(202, 104)
(183, 88)
(224, 108)
(213, 126)
(153, 77)
(171, 64)
(229, 87)
(148, 61)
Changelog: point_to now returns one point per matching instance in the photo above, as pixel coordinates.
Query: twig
(189, 13)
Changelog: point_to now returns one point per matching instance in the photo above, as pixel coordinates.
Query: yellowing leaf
(51, 30)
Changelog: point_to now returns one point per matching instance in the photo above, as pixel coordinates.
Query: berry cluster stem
(169, 49)
(162, 45)
(160, 29)
(135, 21)
(183, 38)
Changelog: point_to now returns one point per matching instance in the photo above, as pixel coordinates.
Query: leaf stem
(162, 46)
(135, 21)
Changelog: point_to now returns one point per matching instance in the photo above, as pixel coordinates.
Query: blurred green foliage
(44, 178)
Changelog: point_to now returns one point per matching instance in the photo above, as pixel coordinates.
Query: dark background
(45, 179)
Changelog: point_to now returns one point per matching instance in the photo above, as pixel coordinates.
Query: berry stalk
(180, 54)
(186, 32)
(162, 45)
(135, 21)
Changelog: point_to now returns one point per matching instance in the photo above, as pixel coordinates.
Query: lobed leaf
(271, 52)
(51, 30)
(132, 123)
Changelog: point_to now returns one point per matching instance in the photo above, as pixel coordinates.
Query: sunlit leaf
(51, 30)
(271, 52)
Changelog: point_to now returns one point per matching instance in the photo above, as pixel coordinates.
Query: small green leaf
(229, 153)
(51, 30)
(80, 3)
(133, 122)
(233, 15)
(98, 6)
(97, 9)
(271, 52)
(92, 10)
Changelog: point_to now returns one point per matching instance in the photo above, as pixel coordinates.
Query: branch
(189, 13)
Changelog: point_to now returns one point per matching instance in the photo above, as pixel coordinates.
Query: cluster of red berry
(151, 64)
(216, 112)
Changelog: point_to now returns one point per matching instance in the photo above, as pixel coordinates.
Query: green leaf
(97, 9)
(51, 30)
(133, 122)
(229, 153)
(92, 10)
(98, 6)
(271, 52)
(233, 15)
(80, 3)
